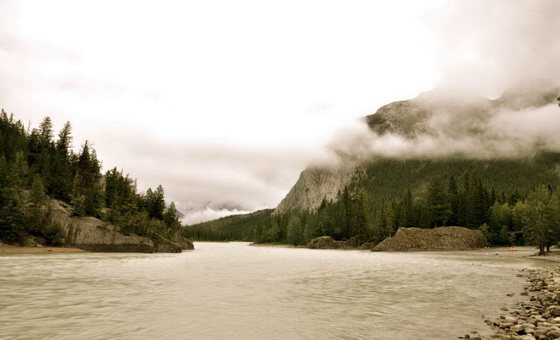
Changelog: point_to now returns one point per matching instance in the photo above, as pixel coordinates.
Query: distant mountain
(234, 227)
(438, 114)
(440, 133)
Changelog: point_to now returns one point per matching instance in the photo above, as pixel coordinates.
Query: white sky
(224, 103)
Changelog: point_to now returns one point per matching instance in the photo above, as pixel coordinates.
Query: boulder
(183, 242)
(163, 245)
(323, 242)
(443, 238)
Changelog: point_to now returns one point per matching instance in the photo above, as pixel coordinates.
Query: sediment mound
(323, 242)
(443, 238)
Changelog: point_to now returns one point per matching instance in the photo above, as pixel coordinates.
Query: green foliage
(232, 228)
(12, 216)
(35, 167)
(439, 204)
(540, 216)
(171, 219)
(295, 232)
(53, 234)
(422, 194)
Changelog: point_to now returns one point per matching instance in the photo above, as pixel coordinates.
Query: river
(237, 291)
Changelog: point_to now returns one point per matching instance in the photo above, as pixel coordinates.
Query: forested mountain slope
(437, 133)
(442, 158)
(234, 227)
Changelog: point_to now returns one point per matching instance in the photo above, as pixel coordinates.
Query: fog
(224, 104)
(496, 134)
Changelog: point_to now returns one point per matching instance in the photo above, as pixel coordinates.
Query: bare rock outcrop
(315, 184)
(92, 234)
(183, 242)
(443, 238)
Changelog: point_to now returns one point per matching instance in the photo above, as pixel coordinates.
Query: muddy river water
(237, 291)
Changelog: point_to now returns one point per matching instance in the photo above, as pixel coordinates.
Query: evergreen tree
(46, 132)
(12, 216)
(361, 223)
(454, 201)
(37, 214)
(438, 203)
(171, 219)
(295, 231)
(61, 178)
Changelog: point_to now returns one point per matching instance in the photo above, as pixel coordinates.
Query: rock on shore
(323, 242)
(538, 318)
(327, 242)
(443, 238)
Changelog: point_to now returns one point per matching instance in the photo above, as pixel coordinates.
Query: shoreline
(535, 316)
(14, 250)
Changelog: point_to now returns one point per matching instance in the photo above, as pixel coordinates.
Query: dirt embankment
(443, 238)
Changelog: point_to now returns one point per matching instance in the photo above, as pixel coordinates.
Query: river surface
(237, 291)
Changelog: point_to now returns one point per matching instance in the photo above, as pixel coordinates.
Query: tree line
(505, 219)
(35, 166)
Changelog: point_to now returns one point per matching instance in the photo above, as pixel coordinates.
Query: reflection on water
(235, 291)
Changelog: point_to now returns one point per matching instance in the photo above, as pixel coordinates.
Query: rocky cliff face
(92, 234)
(315, 184)
(443, 238)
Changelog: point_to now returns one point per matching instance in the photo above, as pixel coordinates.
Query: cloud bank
(492, 45)
(224, 103)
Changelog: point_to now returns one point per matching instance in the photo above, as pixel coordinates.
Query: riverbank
(537, 316)
(7, 250)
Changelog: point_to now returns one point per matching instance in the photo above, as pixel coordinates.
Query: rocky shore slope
(92, 234)
(536, 318)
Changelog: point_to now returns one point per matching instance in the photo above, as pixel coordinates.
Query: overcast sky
(224, 103)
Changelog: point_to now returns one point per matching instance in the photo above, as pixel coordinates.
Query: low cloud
(491, 45)
(193, 216)
(496, 132)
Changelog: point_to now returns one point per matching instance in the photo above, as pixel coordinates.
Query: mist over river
(236, 291)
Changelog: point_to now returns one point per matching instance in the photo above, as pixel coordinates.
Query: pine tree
(12, 217)
(37, 220)
(295, 231)
(170, 218)
(46, 132)
(454, 201)
(361, 223)
(347, 213)
(438, 203)
(61, 178)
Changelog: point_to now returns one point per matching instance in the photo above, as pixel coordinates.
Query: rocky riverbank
(327, 242)
(537, 317)
(92, 234)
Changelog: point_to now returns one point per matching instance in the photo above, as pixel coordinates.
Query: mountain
(230, 228)
(440, 132)
(445, 157)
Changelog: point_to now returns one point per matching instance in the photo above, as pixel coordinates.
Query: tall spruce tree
(438, 202)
